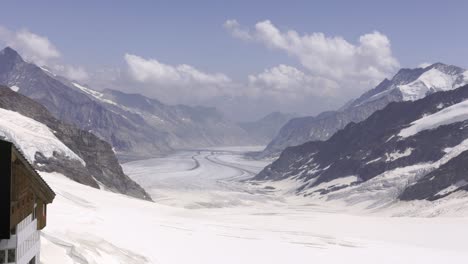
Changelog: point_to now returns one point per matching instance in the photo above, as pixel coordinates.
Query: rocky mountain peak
(446, 68)
(9, 58)
(8, 51)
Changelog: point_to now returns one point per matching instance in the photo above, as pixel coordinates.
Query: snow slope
(93, 93)
(31, 136)
(432, 80)
(452, 114)
(93, 226)
(381, 192)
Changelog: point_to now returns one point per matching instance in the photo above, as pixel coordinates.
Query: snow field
(31, 136)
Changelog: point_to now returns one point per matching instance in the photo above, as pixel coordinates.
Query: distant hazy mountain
(266, 128)
(406, 85)
(409, 150)
(51, 145)
(185, 126)
(133, 124)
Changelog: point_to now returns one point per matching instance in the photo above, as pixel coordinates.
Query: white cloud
(286, 82)
(424, 65)
(234, 27)
(185, 83)
(32, 47)
(151, 70)
(40, 51)
(351, 66)
(37, 46)
(75, 73)
(177, 82)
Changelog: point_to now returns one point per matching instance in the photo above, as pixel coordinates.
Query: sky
(247, 58)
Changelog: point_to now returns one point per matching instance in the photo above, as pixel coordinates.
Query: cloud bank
(328, 70)
(326, 59)
(176, 82)
(151, 70)
(288, 83)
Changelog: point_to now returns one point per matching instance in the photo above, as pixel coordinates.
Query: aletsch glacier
(203, 215)
(329, 202)
(202, 206)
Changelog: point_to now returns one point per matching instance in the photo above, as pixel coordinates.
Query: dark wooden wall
(5, 189)
(41, 212)
(22, 198)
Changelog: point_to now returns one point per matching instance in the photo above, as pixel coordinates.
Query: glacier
(87, 225)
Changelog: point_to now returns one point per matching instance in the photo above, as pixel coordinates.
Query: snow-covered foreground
(203, 214)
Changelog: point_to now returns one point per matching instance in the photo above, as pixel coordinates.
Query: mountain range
(135, 125)
(405, 139)
(409, 150)
(406, 85)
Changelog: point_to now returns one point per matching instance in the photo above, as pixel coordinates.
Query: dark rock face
(73, 169)
(322, 127)
(453, 173)
(266, 128)
(372, 147)
(101, 162)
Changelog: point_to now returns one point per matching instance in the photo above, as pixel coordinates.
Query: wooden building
(24, 196)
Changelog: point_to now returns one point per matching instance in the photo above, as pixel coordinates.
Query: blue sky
(97, 34)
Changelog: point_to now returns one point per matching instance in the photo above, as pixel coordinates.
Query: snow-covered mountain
(414, 84)
(133, 124)
(53, 146)
(408, 150)
(266, 128)
(406, 85)
(182, 126)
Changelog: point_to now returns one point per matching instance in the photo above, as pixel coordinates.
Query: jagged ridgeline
(408, 150)
(406, 85)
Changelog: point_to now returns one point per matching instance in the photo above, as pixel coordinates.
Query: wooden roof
(43, 189)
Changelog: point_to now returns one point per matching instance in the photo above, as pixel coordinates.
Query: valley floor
(205, 213)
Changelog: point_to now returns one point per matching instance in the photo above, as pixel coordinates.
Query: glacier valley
(206, 211)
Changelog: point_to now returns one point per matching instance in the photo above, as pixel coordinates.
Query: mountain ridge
(416, 149)
(406, 85)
